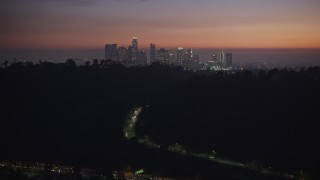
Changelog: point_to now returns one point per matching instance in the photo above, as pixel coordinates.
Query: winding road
(129, 132)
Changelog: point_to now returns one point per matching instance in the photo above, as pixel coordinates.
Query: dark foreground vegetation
(63, 113)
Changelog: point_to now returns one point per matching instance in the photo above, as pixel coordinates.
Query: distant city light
(139, 171)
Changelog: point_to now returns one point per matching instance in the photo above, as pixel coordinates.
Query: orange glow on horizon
(291, 24)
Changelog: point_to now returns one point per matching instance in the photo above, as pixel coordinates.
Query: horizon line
(170, 48)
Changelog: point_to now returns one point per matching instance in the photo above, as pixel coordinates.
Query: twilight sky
(89, 24)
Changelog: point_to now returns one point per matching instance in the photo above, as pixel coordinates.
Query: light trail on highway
(129, 132)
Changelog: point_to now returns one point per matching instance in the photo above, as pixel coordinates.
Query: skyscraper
(228, 60)
(129, 56)
(122, 54)
(111, 52)
(142, 58)
(163, 55)
(153, 53)
(222, 58)
(189, 55)
(172, 59)
(134, 50)
(215, 58)
(180, 55)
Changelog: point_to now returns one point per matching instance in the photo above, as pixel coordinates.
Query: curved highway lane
(129, 132)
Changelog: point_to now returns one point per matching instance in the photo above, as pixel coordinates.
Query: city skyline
(131, 56)
(70, 24)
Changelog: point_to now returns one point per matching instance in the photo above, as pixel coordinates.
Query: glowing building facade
(180, 55)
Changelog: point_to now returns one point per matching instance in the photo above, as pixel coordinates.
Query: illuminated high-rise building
(189, 55)
(153, 53)
(228, 60)
(134, 50)
(222, 58)
(172, 59)
(142, 58)
(111, 52)
(180, 55)
(214, 58)
(122, 54)
(163, 55)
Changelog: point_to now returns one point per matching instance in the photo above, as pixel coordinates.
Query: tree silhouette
(56, 113)
(70, 62)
